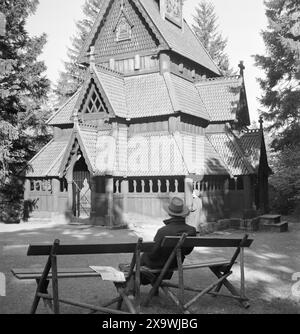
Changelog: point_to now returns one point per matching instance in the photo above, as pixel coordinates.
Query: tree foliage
(286, 179)
(72, 77)
(23, 89)
(206, 29)
(281, 64)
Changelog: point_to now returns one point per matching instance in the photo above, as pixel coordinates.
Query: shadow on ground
(271, 263)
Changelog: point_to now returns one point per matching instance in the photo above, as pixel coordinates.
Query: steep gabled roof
(182, 41)
(100, 21)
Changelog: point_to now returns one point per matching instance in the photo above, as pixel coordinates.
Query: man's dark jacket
(158, 256)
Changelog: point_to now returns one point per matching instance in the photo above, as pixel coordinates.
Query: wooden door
(81, 190)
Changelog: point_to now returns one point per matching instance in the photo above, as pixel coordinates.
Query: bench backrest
(44, 250)
(192, 242)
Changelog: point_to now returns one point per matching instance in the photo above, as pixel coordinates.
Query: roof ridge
(91, 35)
(85, 126)
(218, 79)
(64, 105)
(251, 131)
(204, 48)
(41, 151)
(109, 70)
(158, 34)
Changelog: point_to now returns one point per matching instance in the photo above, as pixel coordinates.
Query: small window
(123, 30)
(95, 104)
(38, 186)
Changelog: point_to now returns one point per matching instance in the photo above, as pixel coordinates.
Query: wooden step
(281, 227)
(270, 219)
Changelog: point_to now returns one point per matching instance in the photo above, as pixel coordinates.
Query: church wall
(47, 195)
(133, 64)
(188, 69)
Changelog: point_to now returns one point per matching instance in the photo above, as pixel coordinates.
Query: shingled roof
(47, 162)
(251, 143)
(64, 115)
(132, 97)
(228, 148)
(214, 164)
(182, 41)
(221, 97)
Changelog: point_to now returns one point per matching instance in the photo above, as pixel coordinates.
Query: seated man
(156, 259)
(175, 226)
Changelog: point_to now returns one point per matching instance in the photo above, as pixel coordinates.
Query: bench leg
(221, 279)
(231, 288)
(42, 287)
(177, 302)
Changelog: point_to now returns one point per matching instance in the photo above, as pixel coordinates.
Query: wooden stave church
(153, 119)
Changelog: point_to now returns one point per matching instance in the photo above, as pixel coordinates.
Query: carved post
(168, 186)
(93, 187)
(151, 186)
(55, 194)
(125, 192)
(143, 186)
(110, 201)
(70, 198)
(188, 189)
(176, 186)
(159, 186)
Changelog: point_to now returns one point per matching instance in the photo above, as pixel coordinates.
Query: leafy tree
(206, 29)
(72, 77)
(281, 89)
(285, 181)
(23, 89)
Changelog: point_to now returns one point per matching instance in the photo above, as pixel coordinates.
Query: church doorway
(81, 190)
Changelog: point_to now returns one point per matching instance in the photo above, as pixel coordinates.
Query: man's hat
(177, 208)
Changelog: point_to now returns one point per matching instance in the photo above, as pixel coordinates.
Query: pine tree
(23, 89)
(281, 85)
(206, 29)
(72, 77)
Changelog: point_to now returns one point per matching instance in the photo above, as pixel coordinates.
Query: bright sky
(241, 21)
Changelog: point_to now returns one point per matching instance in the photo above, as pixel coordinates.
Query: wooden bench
(221, 268)
(53, 273)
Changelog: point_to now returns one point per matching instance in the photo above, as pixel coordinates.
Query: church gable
(93, 104)
(124, 31)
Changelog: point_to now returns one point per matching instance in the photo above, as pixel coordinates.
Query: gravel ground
(270, 265)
